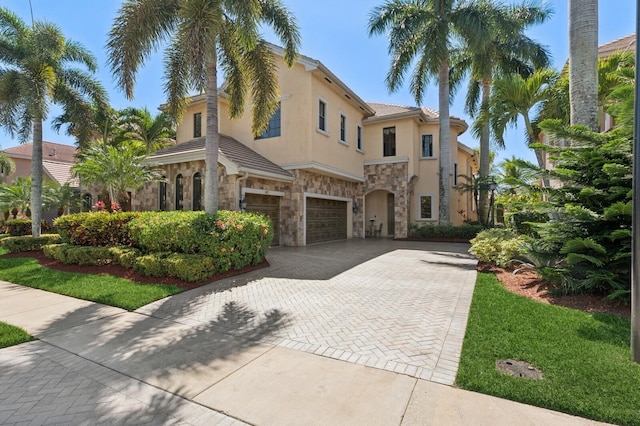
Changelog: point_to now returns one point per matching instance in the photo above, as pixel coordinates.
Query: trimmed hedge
(427, 230)
(191, 267)
(28, 243)
(94, 256)
(96, 228)
(22, 227)
(152, 265)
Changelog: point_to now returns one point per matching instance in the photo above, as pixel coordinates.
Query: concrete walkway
(358, 332)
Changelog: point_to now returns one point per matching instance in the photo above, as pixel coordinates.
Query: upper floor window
(427, 146)
(197, 125)
(426, 207)
(273, 130)
(343, 128)
(322, 115)
(389, 141)
(359, 137)
(179, 192)
(197, 192)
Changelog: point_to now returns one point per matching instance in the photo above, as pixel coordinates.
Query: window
(197, 192)
(359, 137)
(162, 195)
(322, 115)
(455, 174)
(389, 141)
(179, 192)
(273, 130)
(197, 125)
(426, 207)
(87, 202)
(343, 128)
(427, 145)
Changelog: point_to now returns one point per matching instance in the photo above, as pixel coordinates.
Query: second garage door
(326, 220)
(268, 205)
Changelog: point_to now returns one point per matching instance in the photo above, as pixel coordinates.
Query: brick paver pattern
(397, 306)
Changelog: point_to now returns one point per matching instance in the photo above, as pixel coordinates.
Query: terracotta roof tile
(623, 44)
(50, 151)
(234, 150)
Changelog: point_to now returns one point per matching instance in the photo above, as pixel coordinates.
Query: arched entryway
(379, 214)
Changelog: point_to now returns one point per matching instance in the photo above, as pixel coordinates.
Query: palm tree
(7, 166)
(421, 34)
(116, 169)
(505, 50)
(60, 197)
(583, 62)
(90, 123)
(37, 68)
(155, 132)
(16, 197)
(203, 33)
(515, 96)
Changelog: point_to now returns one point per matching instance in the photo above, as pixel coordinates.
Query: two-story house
(330, 165)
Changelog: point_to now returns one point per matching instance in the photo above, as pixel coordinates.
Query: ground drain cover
(518, 368)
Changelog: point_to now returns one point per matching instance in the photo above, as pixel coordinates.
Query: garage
(326, 220)
(268, 205)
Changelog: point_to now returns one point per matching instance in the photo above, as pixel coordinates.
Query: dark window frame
(430, 145)
(162, 195)
(274, 128)
(197, 125)
(179, 192)
(343, 128)
(421, 207)
(389, 141)
(359, 137)
(322, 115)
(197, 192)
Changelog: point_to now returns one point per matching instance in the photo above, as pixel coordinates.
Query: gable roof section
(386, 112)
(60, 172)
(234, 155)
(50, 151)
(623, 44)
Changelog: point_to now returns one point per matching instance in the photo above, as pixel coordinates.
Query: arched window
(179, 192)
(162, 194)
(197, 192)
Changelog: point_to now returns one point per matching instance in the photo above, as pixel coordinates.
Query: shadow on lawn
(609, 329)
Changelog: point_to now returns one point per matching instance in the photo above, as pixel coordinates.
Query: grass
(585, 358)
(11, 335)
(105, 289)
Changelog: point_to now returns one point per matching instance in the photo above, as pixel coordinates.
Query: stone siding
(392, 177)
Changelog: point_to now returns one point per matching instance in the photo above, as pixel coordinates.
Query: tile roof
(623, 44)
(60, 172)
(50, 151)
(235, 151)
(383, 110)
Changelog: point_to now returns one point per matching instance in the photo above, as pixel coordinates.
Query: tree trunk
(212, 138)
(444, 139)
(36, 178)
(539, 154)
(485, 156)
(583, 62)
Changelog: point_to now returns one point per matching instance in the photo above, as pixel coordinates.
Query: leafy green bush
(427, 230)
(497, 246)
(190, 267)
(56, 251)
(22, 227)
(89, 255)
(96, 228)
(124, 256)
(28, 243)
(152, 265)
(520, 222)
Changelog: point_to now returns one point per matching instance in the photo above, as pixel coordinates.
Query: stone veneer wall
(392, 177)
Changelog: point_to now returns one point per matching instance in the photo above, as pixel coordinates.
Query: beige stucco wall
(23, 169)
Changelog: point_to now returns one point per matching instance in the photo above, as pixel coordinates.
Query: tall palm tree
(203, 33)
(514, 96)
(155, 132)
(38, 68)
(583, 62)
(421, 34)
(90, 123)
(506, 49)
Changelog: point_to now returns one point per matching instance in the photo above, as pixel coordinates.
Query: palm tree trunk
(485, 157)
(212, 138)
(36, 178)
(539, 154)
(444, 142)
(583, 62)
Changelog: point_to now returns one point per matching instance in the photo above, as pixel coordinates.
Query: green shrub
(152, 265)
(28, 243)
(88, 256)
(520, 222)
(190, 267)
(497, 246)
(22, 227)
(96, 228)
(124, 256)
(428, 230)
(56, 251)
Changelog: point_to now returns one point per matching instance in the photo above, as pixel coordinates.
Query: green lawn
(105, 289)
(586, 358)
(11, 335)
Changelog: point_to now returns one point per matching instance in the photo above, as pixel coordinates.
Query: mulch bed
(130, 274)
(529, 284)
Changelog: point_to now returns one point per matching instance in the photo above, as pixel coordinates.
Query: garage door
(267, 205)
(326, 220)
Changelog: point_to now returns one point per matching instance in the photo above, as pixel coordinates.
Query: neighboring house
(330, 166)
(57, 160)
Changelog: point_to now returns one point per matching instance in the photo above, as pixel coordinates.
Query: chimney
(53, 152)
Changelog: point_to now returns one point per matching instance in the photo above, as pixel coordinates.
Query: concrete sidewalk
(232, 363)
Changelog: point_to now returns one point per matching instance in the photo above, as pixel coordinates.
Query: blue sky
(333, 31)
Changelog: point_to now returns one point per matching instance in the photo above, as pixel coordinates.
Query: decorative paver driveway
(397, 306)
